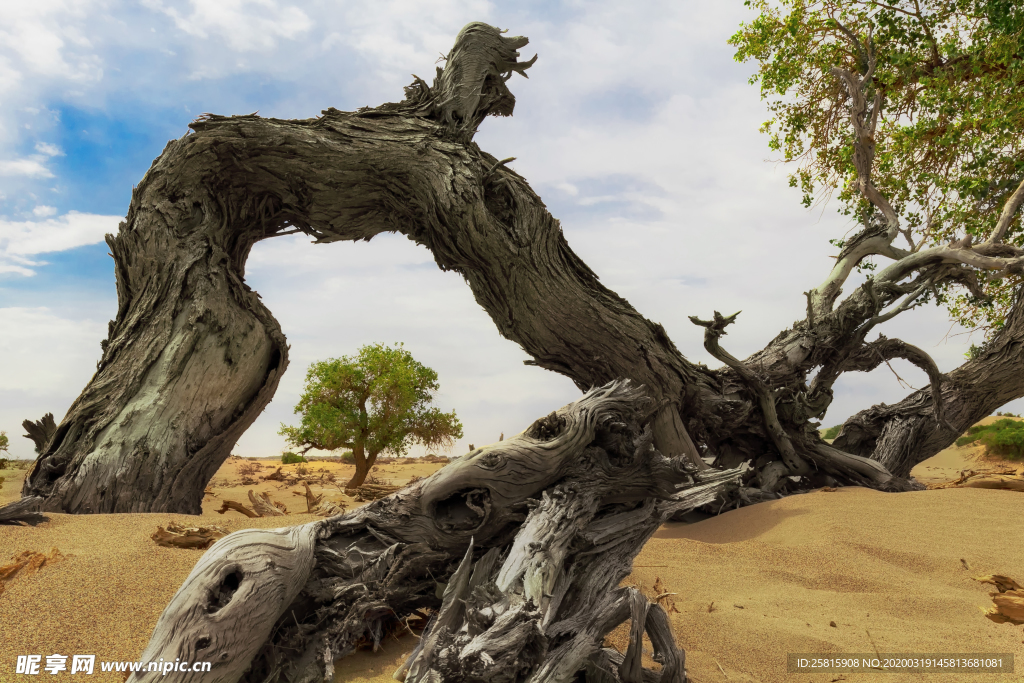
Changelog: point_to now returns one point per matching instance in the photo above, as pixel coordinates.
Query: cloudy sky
(636, 127)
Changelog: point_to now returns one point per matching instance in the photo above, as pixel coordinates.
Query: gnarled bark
(529, 539)
(193, 356)
(906, 433)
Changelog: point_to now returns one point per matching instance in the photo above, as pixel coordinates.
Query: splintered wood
(1006, 478)
(1008, 607)
(518, 551)
(373, 491)
(178, 536)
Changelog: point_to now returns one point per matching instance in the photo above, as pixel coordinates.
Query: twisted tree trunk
(193, 356)
(529, 539)
(901, 435)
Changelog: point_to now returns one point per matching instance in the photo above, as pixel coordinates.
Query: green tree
(4, 442)
(911, 109)
(374, 403)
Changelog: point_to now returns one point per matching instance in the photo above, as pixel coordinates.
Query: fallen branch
(1007, 479)
(263, 506)
(1008, 603)
(237, 507)
(275, 476)
(529, 540)
(178, 536)
(24, 512)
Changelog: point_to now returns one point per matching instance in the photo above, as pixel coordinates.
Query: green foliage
(974, 352)
(4, 442)
(949, 149)
(376, 402)
(290, 458)
(348, 458)
(831, 432)
(1003, 437)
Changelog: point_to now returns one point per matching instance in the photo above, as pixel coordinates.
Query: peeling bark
(529, 538)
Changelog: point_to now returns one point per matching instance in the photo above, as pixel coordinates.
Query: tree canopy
(376, 402)
(942, 83)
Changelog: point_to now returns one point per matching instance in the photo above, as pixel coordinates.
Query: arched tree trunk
(193, 356)
(528, 540)
(191, 360)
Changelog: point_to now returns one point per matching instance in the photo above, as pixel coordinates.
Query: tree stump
(517, 548)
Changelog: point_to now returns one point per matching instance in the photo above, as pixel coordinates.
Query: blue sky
(636, 127)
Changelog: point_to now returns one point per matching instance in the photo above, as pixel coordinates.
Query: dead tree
(40, 431)
(193, 356)
(517, 548)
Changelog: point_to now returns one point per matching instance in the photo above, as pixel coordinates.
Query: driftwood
(312, 502)
(262, 505)
(24, 512)
(1008, 603)
(315, 504)
(275, 476)
(237, 507)
(178, 536)
(517, 548)
(1007, 478)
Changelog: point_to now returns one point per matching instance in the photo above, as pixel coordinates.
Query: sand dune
(893, 572)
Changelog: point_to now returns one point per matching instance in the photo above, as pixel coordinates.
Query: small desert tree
(374, 403)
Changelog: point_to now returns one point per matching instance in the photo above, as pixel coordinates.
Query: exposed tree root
(518, 548)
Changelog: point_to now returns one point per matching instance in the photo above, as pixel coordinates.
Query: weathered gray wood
(193, 356)
(227, 607)
(40, 431)
(263, 507)
(24, 512)
(529, 538)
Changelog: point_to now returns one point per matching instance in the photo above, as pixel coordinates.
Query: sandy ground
(891, 571)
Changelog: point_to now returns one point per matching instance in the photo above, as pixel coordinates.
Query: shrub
(1003, 437)
(347, 458)
(248, 468)
(3, 463)
(291, 458)
(831, 432)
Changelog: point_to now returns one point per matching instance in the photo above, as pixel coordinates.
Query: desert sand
(843, 572)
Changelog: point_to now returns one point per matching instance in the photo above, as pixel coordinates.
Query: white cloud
(44, 40)
(20, 240)
(246, 25)
(637, 128)
(43, 211)
(49, 150)
(30, 167)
